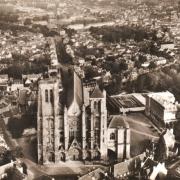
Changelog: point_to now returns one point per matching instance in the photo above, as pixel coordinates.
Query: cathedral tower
(49, 121)
(98, 124)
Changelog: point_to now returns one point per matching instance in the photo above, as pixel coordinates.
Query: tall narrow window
(112, 136)
(46, 95)
(52, 124)
(51, 96)
(99, 106)
(95, 105)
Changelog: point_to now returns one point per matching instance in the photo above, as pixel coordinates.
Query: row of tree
(10, 18)
(166, 79)
(16, 70)
(115, 34)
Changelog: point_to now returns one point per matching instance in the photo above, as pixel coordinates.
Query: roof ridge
(96, 93)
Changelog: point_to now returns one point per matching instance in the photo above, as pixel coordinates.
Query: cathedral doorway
(97, 155)
(51, 157)
(112, 155)
(75, 154)
(62, 156)
(88, 155)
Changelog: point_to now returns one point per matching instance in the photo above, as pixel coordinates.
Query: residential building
(16, 85)
(4, 79)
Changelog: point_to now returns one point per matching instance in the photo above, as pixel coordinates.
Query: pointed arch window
(46, 95)
(112, 136)
(51, 96)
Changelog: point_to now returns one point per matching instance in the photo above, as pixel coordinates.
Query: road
(32, 167)
(156, 69)
(7, 136)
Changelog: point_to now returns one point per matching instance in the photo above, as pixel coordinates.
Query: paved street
(10, 142)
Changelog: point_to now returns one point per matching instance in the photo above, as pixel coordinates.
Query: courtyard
(142, 132)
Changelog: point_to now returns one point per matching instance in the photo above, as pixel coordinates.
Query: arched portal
(62, 156)
(112, 155)
(75, 154)
(51, 157)
(97, 155)
(87, 155)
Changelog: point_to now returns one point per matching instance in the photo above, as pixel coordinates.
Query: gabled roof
(159, 170)
(28, 81)
(74, 92)
(97, 93)
(118, 121)
(74, 109)
(75, 144)
(169, 139)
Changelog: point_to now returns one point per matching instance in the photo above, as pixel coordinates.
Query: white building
(161, 107)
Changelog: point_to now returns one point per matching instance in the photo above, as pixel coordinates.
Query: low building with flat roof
(126, 103)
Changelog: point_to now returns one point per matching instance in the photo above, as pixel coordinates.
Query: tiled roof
(74, 93)
(118, 121)
(97, 93)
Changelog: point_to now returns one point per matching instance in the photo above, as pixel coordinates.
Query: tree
(123, 66)
(15, 126)
(153, 81)
(177, 80)
(27, 21)
(3, 151)
(90, 72)
(152, 65)
(137, 64)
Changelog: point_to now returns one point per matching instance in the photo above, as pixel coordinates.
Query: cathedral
(77, 128)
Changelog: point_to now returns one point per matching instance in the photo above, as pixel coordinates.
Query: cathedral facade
(75, 130)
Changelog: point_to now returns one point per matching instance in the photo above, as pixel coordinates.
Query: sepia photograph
(89, 89)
